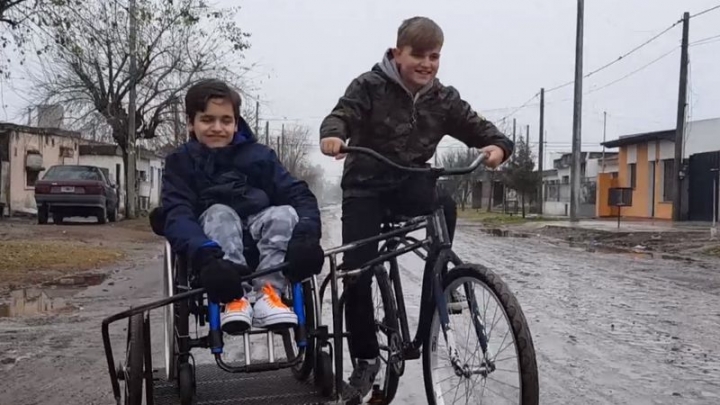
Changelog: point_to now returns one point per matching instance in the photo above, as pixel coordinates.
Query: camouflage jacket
(377, 111)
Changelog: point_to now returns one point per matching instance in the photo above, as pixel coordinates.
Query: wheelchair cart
(311, 370)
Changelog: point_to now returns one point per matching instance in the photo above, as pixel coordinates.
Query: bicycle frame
(397, 242)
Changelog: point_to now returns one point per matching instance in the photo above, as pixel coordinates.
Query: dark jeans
(362, 218)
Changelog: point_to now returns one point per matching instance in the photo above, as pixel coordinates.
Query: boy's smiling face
(417, 68)
(216, 126)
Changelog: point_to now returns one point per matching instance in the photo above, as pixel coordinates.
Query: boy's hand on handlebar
(332, 146)
(494, 156)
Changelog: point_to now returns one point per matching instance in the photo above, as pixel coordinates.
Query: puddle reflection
(49, 298)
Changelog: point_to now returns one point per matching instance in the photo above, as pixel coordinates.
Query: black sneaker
(363, 376)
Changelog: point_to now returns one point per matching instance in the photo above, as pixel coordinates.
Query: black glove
(304, 253)
(221, 278)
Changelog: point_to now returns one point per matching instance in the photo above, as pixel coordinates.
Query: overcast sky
(498, 55)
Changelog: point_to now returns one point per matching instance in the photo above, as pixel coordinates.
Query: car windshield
(72, 173)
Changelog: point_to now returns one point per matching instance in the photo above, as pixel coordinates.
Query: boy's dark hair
(200, 93)
(420, 33)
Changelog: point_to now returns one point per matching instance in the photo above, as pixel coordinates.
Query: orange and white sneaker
(237, 317)
(271, 312)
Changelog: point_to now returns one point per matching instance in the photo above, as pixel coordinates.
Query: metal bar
(337, 330)
(369, 264)
(257, 368)
(246, 346)
(271, 347)
(410, 226)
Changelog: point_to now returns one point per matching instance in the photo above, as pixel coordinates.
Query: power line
(634, 71)
(619, 58)
(705, 11)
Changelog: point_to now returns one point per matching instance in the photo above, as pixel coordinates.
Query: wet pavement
(608, 328)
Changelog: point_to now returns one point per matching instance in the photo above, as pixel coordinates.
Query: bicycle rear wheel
(387, 328)
(488, 362)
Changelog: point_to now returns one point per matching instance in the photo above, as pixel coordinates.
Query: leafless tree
(179, 42)
(460, 187)
(292, 148)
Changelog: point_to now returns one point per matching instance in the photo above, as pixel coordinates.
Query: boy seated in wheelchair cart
(402, 111)
(221, 191)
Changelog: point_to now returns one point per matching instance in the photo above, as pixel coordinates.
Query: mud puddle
(51, 297)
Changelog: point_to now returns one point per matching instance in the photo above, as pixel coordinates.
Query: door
(703, 176)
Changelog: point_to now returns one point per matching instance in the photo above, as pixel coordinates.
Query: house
(26, 152)
(646, 164)
(148, 171)
(556, 182)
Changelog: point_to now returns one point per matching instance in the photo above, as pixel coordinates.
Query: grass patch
(712, 251)
(497, 218)
(30, 261)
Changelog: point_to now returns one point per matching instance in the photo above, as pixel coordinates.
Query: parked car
(76, 191)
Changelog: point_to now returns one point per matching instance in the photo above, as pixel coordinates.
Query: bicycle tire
(135, 360)
(521, 332)
(392, 379)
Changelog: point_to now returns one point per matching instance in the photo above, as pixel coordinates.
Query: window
(632, 172)
(31, 177)
(668, 176)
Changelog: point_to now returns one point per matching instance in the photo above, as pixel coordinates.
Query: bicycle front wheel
(487, 355)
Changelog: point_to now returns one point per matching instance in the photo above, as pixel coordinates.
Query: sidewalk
(626, 226)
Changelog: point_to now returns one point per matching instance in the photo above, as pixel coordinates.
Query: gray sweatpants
(270, 228)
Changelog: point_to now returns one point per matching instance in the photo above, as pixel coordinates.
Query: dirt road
(608, 328)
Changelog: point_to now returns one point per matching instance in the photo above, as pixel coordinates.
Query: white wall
(109, 163)
(702, 136)
(152, 167)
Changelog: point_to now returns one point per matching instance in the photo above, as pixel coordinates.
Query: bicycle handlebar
(440, 171)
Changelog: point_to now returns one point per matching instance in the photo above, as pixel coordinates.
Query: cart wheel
(323, 373)
(186, 383)
(133, 372)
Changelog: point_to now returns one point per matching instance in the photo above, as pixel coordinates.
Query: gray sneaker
(363, 376)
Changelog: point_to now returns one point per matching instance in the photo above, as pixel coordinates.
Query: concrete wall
(22, 194)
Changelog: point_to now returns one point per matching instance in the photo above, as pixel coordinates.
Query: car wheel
(112, 214)
(58, 219)
(102, 216)
(43, 213)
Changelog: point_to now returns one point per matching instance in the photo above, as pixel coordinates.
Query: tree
(520, 174)
(21, 21)
(178, 43)
(292, 149)
(460, 186)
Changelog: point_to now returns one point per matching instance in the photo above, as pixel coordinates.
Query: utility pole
(130, 170)
(541, 151)
(282, 142)
(176, 121)
(604, 135)
(514, 128)
(527, 136)
(680, 129)
(577, 116)
(257, 118)
(267, 134)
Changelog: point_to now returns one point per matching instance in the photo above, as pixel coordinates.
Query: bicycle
(435, 313)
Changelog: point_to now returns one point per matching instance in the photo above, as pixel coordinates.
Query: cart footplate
(215, 387)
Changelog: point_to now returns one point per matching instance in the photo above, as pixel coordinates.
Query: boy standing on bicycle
(222, 189)
(402, 111)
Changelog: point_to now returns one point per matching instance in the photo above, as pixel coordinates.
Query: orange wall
(641, 193)
(605, 182)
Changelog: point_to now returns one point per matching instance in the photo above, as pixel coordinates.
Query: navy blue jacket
(245, 175)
